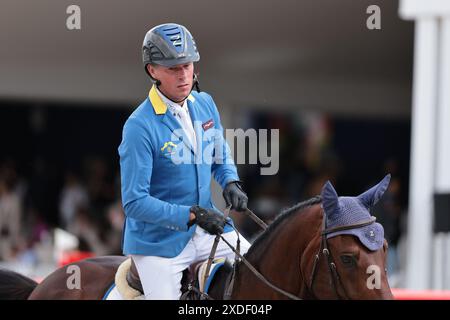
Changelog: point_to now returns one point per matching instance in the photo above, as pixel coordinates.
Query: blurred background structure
(340, 94)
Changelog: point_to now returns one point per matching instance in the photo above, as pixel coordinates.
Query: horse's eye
(348, 260)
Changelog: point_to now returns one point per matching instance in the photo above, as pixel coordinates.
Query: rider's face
(176, 81)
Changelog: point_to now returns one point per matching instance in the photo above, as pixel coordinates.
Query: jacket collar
(158, 105)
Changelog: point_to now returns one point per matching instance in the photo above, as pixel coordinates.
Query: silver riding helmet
(169, 44)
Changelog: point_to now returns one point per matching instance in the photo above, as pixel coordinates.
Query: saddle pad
(216, 264)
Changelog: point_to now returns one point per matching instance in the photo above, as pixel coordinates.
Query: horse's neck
(280, 251)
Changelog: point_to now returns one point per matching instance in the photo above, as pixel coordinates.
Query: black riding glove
(234, 195)
(209, 219)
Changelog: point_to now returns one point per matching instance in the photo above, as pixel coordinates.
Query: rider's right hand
(209, 219)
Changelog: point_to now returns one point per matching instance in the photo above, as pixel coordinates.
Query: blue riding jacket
(156, 192)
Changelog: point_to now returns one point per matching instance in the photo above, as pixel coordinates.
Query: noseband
(323, 250)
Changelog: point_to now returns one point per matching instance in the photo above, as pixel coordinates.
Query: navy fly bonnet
(343, 211)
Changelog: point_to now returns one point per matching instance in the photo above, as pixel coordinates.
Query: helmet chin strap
(194, 84)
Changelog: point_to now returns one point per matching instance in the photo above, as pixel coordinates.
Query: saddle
(129, 285)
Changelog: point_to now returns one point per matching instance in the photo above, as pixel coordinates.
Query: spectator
(88, 231)
(73, 197)
(116, 219)
(10, 217)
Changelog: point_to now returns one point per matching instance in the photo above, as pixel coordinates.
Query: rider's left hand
(235, 195)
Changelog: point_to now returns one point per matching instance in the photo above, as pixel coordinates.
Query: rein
(238, 257)
(252, 269)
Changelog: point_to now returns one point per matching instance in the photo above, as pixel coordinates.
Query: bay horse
(328, 247)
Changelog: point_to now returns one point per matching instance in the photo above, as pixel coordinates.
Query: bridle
(334, 275)
(335, 280)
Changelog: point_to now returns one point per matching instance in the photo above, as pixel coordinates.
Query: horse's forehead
(352, 205)
(350, 202)
(352, 211)
(371, 236)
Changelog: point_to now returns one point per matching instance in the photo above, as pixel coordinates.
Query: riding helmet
(169, 44)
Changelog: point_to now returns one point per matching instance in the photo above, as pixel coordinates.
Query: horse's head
(350, 263)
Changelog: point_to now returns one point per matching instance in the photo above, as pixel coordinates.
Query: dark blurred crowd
(84, 203)
(308, 158)
(84, 200)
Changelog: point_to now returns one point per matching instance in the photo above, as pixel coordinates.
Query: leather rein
(334, 275)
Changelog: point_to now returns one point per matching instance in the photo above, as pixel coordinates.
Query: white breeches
(161, 277)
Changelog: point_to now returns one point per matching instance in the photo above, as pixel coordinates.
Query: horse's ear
(371, 196)
(330, 199)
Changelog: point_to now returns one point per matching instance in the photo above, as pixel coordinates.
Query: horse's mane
(281, 217)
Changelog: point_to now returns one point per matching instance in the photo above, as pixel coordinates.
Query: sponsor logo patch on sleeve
(208, 124)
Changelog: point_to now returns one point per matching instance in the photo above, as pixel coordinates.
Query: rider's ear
(330, 199)
(371, 196)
